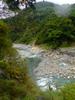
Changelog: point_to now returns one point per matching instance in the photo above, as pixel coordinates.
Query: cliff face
(4, 11)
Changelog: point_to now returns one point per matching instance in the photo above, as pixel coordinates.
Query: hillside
(58, 30)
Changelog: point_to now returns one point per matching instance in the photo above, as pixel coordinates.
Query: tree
(15, 83)
(5, 43)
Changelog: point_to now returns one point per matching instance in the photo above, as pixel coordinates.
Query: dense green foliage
(43, 26)
(15, 83)
(68, 92)
(5, 43)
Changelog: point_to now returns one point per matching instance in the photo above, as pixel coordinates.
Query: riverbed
(49, 68)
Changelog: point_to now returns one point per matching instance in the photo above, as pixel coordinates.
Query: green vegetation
(65, 93)
(68, 92)
(15, 83)
(43, 26)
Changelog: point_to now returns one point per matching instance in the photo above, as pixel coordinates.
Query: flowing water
(52, 70)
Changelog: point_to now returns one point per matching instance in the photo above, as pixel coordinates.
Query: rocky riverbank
(54, 64)
(60, 63)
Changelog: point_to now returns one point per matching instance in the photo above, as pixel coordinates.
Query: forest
(58, 30)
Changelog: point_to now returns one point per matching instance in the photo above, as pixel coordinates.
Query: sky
(61, 1)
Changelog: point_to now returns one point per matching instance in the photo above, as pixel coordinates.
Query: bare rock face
(4, 11)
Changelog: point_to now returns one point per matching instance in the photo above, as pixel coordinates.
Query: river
(49, 68)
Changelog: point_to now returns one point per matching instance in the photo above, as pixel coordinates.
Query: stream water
(48, 71)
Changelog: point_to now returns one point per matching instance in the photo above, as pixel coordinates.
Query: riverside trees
(15, 83)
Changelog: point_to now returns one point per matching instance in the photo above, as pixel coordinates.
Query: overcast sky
(61, 1)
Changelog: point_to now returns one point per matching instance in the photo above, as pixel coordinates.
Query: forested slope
(43, 26)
